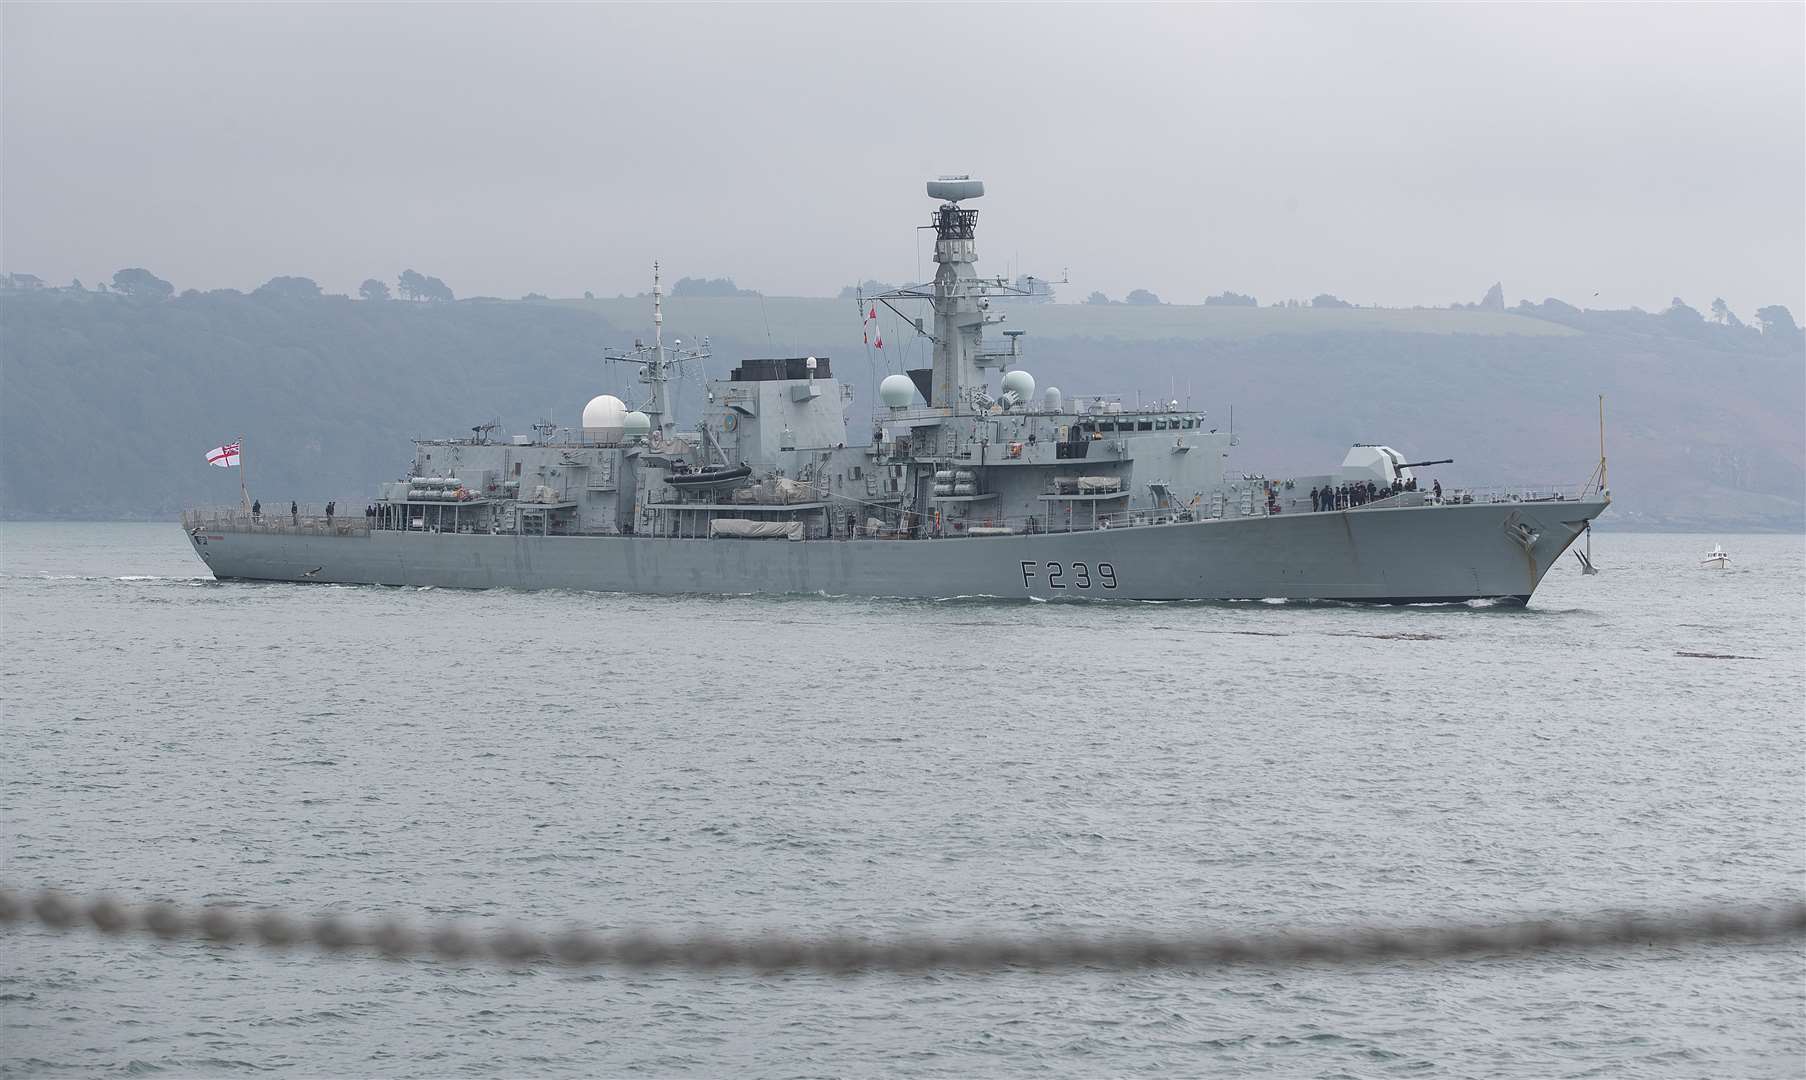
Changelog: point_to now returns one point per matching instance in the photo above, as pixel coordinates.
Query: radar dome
(603, 417)
(635, 424)
(896, 391)
(1050, 399)
(1021, 383)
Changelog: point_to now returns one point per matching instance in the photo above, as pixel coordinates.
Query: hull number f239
(1076, 575)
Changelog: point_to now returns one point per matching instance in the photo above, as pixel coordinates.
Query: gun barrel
(1420, 464)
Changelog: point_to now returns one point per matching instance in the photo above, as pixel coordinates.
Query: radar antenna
(481, 431)
(961, 300)
(656, 362)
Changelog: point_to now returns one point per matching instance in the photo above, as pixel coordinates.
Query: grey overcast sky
(1390, 154)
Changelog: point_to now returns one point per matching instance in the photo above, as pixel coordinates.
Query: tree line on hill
(139, 283)
(410, 285)
(328, 389)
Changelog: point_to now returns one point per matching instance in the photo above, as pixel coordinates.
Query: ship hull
(1424, 554)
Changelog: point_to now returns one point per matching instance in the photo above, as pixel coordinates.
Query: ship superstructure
(975, 481)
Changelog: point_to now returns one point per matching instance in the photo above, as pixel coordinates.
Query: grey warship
(975, 483)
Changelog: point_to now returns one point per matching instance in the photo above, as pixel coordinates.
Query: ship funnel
(923, 378)
(955, 188)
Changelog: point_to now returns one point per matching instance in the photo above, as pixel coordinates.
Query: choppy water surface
(874, 767)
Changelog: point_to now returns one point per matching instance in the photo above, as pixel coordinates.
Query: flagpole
(244, 494)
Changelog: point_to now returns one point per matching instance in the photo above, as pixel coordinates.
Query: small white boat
(1716, 559)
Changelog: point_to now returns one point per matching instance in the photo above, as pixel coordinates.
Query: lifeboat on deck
(710, 478)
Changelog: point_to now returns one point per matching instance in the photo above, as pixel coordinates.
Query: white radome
(1022, 383)
(896, 391)
(603, 418)
(636, 424)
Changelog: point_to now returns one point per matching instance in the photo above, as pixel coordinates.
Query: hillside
(107, 403)
(790, 318)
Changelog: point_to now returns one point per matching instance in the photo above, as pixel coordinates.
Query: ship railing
(1296, 500)
(1139, 517)
(305, 521)
(1033, 524)
(1516, 493)
(1147, 515)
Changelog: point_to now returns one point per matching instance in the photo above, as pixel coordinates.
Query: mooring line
(396, 940)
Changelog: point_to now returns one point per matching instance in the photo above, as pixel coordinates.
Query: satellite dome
(635, 424)
(1021, 383)
(1050, 399)
(603, 417)
(896, 391)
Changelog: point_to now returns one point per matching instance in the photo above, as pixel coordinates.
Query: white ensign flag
(223, 456)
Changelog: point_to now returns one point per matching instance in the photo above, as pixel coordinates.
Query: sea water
(1632, 740)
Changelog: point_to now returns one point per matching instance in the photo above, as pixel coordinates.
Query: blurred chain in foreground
(225, 926)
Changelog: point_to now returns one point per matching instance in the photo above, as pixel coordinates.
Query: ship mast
(656, 364)
(961, 301)
(1596, 480)
(654, 373)
(1602, 481)
(959, 314)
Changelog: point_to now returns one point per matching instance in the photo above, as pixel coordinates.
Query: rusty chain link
(393, 939)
